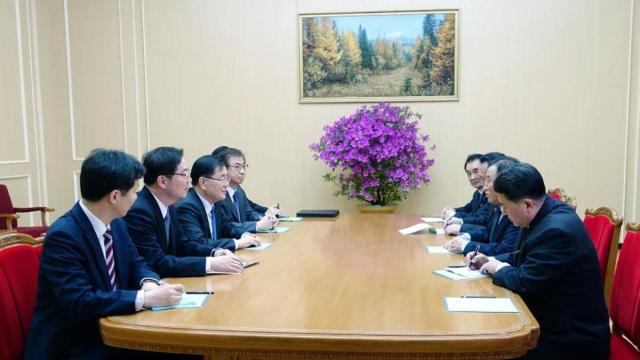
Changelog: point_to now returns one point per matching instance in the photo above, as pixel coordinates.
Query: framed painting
(378, 56)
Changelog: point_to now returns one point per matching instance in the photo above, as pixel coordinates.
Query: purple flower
(376, 154)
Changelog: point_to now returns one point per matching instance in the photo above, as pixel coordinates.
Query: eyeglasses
(185, 173)
(240, 166)
(222, 180)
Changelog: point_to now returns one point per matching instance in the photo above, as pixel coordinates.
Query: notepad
(262, 246)
(414, 229)
(290, 219)
(275, 230)
(449, 275)
(471, 304)
(432, 219)
(436, 250)
(468, 273)
(187, 301)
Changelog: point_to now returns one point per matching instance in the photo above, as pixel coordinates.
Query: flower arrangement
(376, 154)
(561, 194)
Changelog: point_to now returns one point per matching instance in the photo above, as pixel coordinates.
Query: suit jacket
(555, 270)
(173, 257)
(499, 239)
(472, 205)
(235, 225)
(74, 289)
(481, 216)
(195, 222)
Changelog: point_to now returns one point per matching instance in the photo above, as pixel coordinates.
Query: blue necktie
(167, 226)
(214, 230)
(236, 205)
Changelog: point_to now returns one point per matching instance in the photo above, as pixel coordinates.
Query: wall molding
(23, 101)
(75, 176)
(74, 155)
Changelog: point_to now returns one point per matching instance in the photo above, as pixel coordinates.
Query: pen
(477, 297)
(456, 266)
(199, 292)
(475, 253)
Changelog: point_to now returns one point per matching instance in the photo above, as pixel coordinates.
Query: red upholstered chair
(9, 215)
(560, 194)
(604, 226)
(19, 264)
(625, 299)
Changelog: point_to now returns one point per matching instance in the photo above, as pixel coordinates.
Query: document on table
(468, 273)
(480, 304)
(262, 246)
(187, 301)
(275, 230)
(432, 219)
(460, 273)
(290, 219)
(414, 228)
(437, 250)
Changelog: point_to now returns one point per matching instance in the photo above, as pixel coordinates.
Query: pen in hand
(475, 253)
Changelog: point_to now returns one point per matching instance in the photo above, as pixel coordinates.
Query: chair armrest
(43, 210)
(9, 218)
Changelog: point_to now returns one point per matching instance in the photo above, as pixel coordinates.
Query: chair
(19, 265)
(10, 215)
(560, 194)
(625, 299)
(603, 225)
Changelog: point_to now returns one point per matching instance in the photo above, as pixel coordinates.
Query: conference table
(350, 287)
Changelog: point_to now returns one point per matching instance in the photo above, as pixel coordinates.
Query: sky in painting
(389, 26)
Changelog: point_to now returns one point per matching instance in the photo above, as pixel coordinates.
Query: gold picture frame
(378, 56)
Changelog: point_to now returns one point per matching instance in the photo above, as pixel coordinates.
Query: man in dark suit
(196, 212)
(500, 236)
(554, 269)
(89, 267)
(473, 168)
(481, 210)
(239, 215)
(154, 227)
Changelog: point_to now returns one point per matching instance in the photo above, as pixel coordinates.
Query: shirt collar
(231, 191)
(164, 209)
(98, 226)
(207, 205)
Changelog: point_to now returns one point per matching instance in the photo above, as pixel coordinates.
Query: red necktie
(108, 253)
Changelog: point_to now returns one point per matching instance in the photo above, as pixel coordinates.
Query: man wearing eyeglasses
(154, 227)
(196, 212)
(241, 214)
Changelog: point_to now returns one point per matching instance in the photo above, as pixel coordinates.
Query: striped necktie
(237, 205)
(108, 254)
(167, 226)
(214, 229)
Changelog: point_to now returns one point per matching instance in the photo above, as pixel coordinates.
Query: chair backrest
(603, 225)
(625, 296)
(6, 206)
(561, 194)
(19, 265)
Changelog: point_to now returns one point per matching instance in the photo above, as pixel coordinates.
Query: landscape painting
(370, 57)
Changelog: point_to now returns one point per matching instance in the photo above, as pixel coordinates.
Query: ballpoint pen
(475, 253)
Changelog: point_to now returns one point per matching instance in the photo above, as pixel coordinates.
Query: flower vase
(376, 209)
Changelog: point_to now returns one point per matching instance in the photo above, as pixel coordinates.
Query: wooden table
(352, 288)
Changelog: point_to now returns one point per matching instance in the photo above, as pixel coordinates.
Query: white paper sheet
(415, 228)
(480, 304)
(437, 250)
(467, 273)
(432, 219)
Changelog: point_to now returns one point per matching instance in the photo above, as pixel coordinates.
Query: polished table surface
(351, 287)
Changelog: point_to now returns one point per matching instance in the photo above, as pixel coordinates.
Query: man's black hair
(160, 161)
(520, 181)
(106, 170)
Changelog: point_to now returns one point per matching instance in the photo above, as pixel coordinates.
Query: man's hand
(455, 244)
(447, 213)
(453, 229)
(475, 261)
(165, 295)
(266, 223)
(273, 211)
(224, 263)
(491, 267)
(247, 240)
(454, 220)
